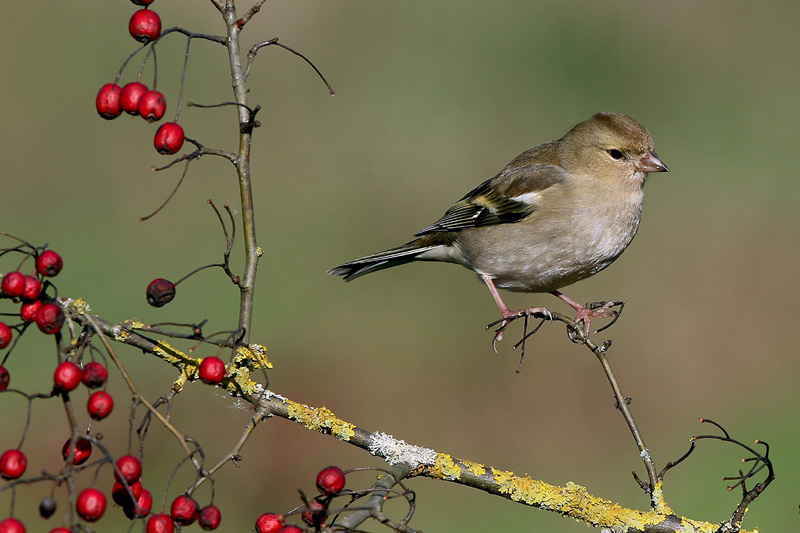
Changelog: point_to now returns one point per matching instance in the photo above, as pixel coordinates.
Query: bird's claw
(509, 316)
(594, 310)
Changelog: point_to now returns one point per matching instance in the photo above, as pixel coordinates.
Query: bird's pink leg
(509, 315)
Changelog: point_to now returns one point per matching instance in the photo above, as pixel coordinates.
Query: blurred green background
(431, 99)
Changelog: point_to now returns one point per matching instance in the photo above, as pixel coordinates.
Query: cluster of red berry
(135, 98)
(35, 304)
(330, 482)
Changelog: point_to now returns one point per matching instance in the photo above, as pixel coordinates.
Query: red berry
(269, 523)
(94, 374)
(60, 530)
(67, 376)
(100, 405)
(142, 508)
(83, 449)
(160, 292)
(209, 518)
(212, 370)
(47, 507)
(29, 310)
(315, 514)
(12, 464)
(290, 529)
(145, 25)
(49, 263)
(152, 106)
(11, 525)
(5, 377)
(142, 2)
(32, 288)
(5, 335)
(160, 523)
(107, 102)
(128, 468)
(184, 510)
(330, 480)
(50, 318)
(13, 284)
(169, 138)
(91, 504)
(124, 497)
(129, 99)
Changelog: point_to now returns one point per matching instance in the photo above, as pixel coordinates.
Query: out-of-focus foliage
(432, 98)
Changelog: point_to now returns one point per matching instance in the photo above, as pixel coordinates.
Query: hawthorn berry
(28, 311)
(315, 513)
(5, 335)
(269, 523)
(107, 102)
(60, 530)
(5, 377)
(94, 374)
(11, 525)
(184, 510)
(100, 405)
(49, 263)
(32, 288)
(169, 138)
(330, 480)
(124, 497)
(160, 523)
(142, 507)
(152, 106)
(83, 449)
(47, 507)
(212, 370)
(209, 518)
(142, 2)
(91, 504)
(290, 529)
(130, 96)
(67, 376)
(160, 292)
(13, 284)
(12, 464)
(128, 468)
(50, 318)
(145, 25)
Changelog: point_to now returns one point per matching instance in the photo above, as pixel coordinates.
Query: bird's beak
(650, 163)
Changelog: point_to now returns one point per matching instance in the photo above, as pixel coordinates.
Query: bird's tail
(385, 259)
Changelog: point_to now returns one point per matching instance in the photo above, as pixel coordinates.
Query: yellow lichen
(321, 419)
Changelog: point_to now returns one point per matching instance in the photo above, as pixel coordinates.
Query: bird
(556, 214)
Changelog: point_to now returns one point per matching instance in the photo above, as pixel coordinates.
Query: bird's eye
(614, 153)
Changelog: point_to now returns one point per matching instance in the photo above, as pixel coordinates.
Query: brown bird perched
(556, 214)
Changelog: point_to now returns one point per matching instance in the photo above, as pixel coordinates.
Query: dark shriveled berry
(160, 292)
(5, 377)
(47, 507)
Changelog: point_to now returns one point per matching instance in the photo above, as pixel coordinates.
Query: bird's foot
(509, 316)
(585, 313)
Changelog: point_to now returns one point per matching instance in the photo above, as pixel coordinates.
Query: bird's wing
(508, 197)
